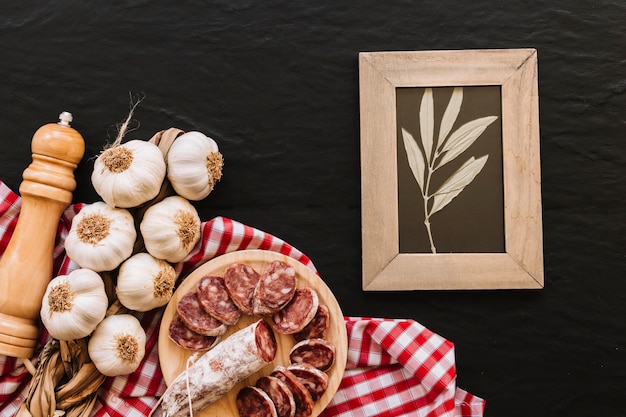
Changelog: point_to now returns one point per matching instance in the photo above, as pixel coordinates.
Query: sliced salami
(214, 299)
(186, 338)
(216, 372)
(254, 402)
(198, 320)
(280, 394)
(301, 395)
(240, 281)
(318, 327)
(275, 288)
(313, 379)
(298, 312)
(319, 353)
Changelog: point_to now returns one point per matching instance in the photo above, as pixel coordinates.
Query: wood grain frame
(521, 265)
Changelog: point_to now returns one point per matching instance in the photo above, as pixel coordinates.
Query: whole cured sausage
(240, 355)
(316, 352)
(254, 402)
(280, 394)
(298, 312)
(275, 288)
(240, 281)
(214, 299)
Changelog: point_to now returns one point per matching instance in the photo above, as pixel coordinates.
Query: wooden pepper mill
(26, 266)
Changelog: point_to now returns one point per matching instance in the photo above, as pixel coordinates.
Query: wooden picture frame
(520, 264)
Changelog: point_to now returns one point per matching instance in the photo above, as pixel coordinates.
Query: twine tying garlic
(128, 174)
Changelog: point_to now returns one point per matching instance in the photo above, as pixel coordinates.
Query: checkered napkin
(394, 368)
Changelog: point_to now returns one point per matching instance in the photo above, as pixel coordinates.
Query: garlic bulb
(118, 345)
(145, 282)
(101, 237)
(129, 174)
(170, 229)
(74, 304)
(194, 165)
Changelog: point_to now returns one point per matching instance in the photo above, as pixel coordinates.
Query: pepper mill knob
(26, 265)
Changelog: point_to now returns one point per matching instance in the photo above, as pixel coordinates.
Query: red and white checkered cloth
(395, 367)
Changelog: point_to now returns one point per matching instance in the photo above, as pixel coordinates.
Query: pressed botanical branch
(426, 159)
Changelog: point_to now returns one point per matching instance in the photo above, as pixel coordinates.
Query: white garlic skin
(105, 251)
(86, 299)
(118, 345)
(170, 229)
(145, 282)
(194, 165)
(136, 184)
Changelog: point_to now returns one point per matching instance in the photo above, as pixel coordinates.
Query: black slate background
(276, 84)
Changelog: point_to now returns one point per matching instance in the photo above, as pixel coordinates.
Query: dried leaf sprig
(432, 155)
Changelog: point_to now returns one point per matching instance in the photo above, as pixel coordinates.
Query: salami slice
(318, 327)
(319, 353)
(275, 288)
(216, 372)
(280, 394)
(254, 402)
(240, 281)
(313, 379)
(301, 395)
(198, 320)
(186, 338)
(214, 299)
(298, 312)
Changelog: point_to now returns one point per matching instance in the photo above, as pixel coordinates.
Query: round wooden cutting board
(173, 359)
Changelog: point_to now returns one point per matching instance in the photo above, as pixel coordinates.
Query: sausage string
(190, 361)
